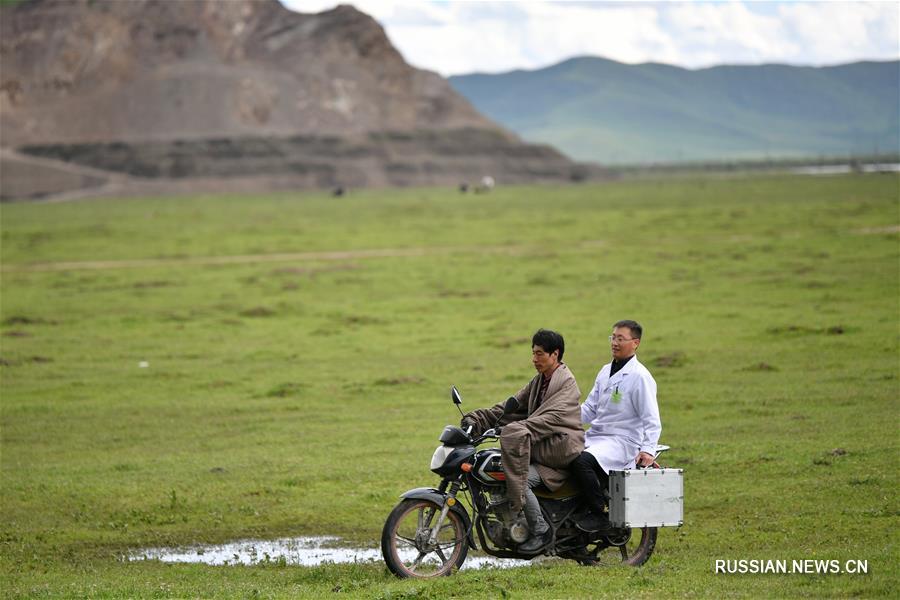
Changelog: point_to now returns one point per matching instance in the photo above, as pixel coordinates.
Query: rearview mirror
(454, 395)
(512, 405)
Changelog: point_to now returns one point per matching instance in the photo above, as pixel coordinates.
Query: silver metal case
(646, 498)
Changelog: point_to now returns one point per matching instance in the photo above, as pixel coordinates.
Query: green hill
(601, 110)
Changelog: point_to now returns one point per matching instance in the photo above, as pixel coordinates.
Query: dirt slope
(156, 69)
(194, 93)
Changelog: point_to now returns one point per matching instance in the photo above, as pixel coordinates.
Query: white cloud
(834, 31)
(491, 36)
(727, 33)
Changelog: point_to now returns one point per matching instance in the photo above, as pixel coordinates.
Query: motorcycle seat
(568, 489)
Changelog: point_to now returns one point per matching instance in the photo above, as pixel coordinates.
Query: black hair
(635, 327)
(549, 341)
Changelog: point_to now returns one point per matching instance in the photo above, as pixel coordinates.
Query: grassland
(292, 390)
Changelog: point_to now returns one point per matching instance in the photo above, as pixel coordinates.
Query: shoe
(592, 523)
(536, 542)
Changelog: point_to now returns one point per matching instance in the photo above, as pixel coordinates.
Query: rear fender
(439, 498)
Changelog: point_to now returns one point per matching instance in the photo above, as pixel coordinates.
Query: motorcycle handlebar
(493, 432)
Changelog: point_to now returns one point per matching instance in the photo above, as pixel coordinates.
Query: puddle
(840, 169)
(305, 551)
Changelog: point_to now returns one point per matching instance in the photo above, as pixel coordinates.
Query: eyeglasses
(619, 340)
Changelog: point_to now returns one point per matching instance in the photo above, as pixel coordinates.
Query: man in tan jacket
(542, 437)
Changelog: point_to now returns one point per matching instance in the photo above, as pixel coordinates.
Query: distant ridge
(596, 109)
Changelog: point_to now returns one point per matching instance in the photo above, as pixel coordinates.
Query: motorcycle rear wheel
(404, 540)
(631, 547)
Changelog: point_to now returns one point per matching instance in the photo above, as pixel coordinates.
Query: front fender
(439, 498)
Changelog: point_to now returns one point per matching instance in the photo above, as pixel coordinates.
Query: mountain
(600, 110)
(158, 69)
(206, 89)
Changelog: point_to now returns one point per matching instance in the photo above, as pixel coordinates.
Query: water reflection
(841, 169)
(306, 551)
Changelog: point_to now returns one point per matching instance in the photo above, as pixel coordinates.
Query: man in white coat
(624, 422)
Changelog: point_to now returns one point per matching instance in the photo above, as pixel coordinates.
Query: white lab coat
(622, 424)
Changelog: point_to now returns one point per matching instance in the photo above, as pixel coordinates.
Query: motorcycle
(429, 532)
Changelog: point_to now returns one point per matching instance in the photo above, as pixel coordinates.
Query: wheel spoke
(407, 540)
(418, 561)
(441, 554)
(624, 552)
(427, 523)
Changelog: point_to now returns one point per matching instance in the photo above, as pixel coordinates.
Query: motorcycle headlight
(440, 455)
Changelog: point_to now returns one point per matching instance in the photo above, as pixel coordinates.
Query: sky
(457, 37)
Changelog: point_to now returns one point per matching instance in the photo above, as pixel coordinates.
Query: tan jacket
(549, 435)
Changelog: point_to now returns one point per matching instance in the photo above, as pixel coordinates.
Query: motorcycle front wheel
(405, 540)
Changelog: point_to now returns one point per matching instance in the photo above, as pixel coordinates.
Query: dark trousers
(593, 481)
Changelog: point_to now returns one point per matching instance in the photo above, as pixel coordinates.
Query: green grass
(300, 395)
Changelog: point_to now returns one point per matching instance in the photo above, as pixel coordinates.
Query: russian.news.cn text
(807, 566)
